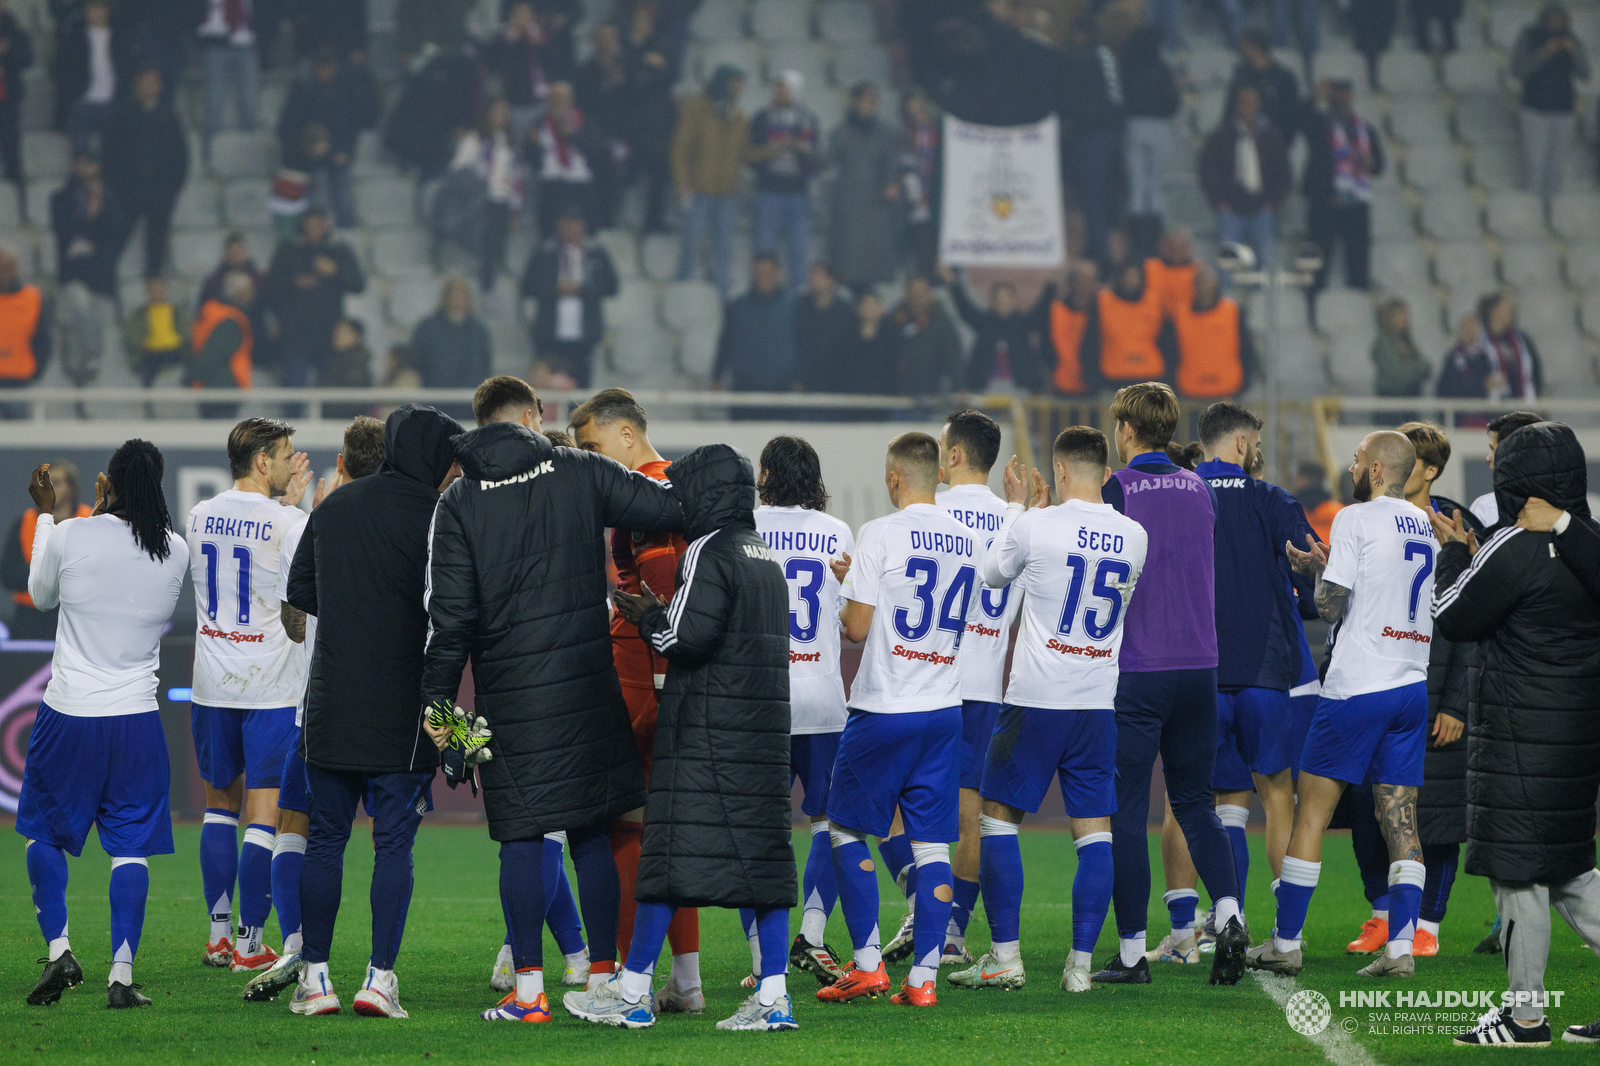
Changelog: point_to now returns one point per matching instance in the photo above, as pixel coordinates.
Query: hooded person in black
(1533, 755)
(361, 570)
(517, 583)
(716, 832)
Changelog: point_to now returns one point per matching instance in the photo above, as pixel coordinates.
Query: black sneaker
(1227, 964)
(815, 960)
(1490, 945)
(120, 997)
(58, 976)
(1496, 1029)
(1582, 1034)
(1115, 973)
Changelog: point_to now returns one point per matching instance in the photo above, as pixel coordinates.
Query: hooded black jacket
(360, 569)
(716, 831)
(1533, 753)
(517, 582)
(1442, 801)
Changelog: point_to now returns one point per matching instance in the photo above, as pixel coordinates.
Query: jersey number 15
(1093, 625)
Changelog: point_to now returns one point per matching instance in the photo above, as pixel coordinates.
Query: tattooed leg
(1396, 808)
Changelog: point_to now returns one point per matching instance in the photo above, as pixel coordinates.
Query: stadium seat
(808, 59)
(1530, 266)
(829, 104)
(1210, 67)
(1420, 121)
(402, 253)
(694, 310)
(45, 155)
(1496, 166)
(638, 342)
(863, 62)
(244, 202)
(386, 202)
(237, 154)
(1464, 264)
(1472, 71)
(718, 20)
(659, 256)
(1302, 368)
(369, 154)
(706, 56)
(1397, 263)
(1409, 74)
(1506, 20)
(411, 300)
(847, 22)
(1434, 166)
(1345, 312)
(1576, 216)
(1569, 368)
(1451, 216)
(1546, 311)
(1590, 310)
(199, 205)
(1392, 213)
(1486, 118)
(1516, 215)
(1583, 265)
(623, 248)
(195, 253)
(10, 216)
(1350, 363)
(1208, 107)
(781, 20)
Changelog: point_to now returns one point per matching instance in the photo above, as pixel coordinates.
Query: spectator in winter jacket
(1372, 25)
(93, 56)
(452, 345)
(519, 57)
(24, 330)
(16, 58)
(1424, 13)
(306, 286)
(228, 40)
(1346, 154)
(708, 150)
(350, 361)
(1005, 353)
(441, 23)
(88, 229)
(155, 334)
(921, 176)
(1547, 58)
(569, 158)
(927, 347)
(865, 215)
(785, 154)
(823, 317)
(569, 276)
(1244, 170)
(607, 96)
(1093, 96)
(147, 164)
(869, 354)
(236, 258)
(756, 350)
(1277, 88)
(1150, 102)
(335, 99)
(1401, 369)
(1533, 764)
(490, 152)
(653, 69)
(1492, 357)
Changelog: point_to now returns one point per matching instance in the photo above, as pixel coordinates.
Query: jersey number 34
(952, 613)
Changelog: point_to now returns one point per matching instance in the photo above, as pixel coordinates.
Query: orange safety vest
(1066, 334)
(19, 320)
(1321, 518)
(1128, 333)
(30, 521)
(1175, 284)
(212, 314)
(1208, 351)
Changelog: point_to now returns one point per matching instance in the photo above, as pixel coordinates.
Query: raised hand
(300, 474)
(1454, 529)
(1311, 562)
(1013, 481)
(840, 566)
(42, 491)
(1041, 491)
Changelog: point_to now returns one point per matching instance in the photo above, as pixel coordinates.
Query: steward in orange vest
(29, 623)
(24, 336)
(1216, 353)
(1128, 338)
(1069, 322)
(220, 348)
(1172, 275)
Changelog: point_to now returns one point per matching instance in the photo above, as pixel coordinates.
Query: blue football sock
(896, 852)
(47, 876)
(219, 861)
(1241, 857)
(1406, 879)
(1000, 873)
(934, 893)
(821, 882)
(1091, 890)
(255, 876)
(1299, 881)
(858, 891)
(522, 900)
(966, 898)
(561, 910)
(649, 933)
(1371, 851)
(772, 932)
(130, 885)
(288, 856)
(1181, 904)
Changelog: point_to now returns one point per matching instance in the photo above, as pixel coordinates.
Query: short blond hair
(1150, 409)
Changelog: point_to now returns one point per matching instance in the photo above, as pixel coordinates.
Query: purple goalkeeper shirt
(1172, 622)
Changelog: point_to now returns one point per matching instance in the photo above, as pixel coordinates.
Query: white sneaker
(752, 1016)
(1076, 979)
(314, 999)
(380, 998)
(674, 1000)
(1185, 950)
(903, 944)
(990, 972)
(503, 978)
(577, 970)
(605, 1006)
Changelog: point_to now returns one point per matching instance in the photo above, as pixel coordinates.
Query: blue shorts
(811, 758)
(977, 726)
(1301, 710)
(1252, 726)
(111, 772)
(293, 792)
(911, 761)
(1376, 737)
(1032, 745)
(230, 742)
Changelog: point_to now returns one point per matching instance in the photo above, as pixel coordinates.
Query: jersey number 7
(242, 554)
(1092, 625)
(952, 617)
(1415, 548)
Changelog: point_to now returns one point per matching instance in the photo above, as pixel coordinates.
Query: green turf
(455, 929)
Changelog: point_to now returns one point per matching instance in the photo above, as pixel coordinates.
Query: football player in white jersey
(248, 678)
(1075, 566)
(907, 595)
(1375, 582)
(794, 522)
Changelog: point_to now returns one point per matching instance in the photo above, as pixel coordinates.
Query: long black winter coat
(360, 570)
(518, 583)
(716, 831)
(1533, 756)
(1442, 801)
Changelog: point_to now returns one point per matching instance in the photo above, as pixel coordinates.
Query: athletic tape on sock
(1173, 894)
(1091, 838)
(996, 827)
(927, 854)
(260, 837)
(559, 836)
(1231, 814)
(1300, 872)
(820, 827)
(129, 862)
(841, 837)
(1408, 872)
(220, 818)
(289, 843)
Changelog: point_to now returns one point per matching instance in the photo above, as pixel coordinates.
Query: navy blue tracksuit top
(1258, 645)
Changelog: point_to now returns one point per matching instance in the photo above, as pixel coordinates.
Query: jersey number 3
(242, 554)
(1093, 626)
(809, 572)
(952, 615)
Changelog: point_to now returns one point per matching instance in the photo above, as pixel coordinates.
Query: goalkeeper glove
(469, 734)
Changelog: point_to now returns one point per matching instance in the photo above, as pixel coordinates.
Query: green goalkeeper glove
(468, 733)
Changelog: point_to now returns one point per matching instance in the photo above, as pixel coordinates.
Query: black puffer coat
(716, 831)
(1533, 757)
(518, 583)
(1442, 801)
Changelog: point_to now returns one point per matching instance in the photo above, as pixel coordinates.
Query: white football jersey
(242, 657)
(291, 544)
(917, 569)
(1075, 565)
(1383, 552)
(982, 659)
(804, 541)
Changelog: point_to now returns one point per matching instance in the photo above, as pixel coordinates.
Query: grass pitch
(455, 929)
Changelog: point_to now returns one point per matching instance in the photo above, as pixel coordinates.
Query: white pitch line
(1338, 1047)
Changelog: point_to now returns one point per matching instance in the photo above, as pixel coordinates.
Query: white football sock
(1132, 948)
(577, 960)
(293, 942)
(1005, 950)
(869, 958)
(249, 942)
(685, 971)
(121, 974)
(813, 926)
(221, 929)
(58, 947)
(1382, 915)
(772, 989)
(1225, 908)
(530, 985)
(1396, 949)
(921, 975)
(633, 986)
(1076, 959)
(1427, 926)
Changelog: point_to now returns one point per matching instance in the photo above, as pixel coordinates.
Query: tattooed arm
(1396, 808)
(294, 621)
(1331, 600)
